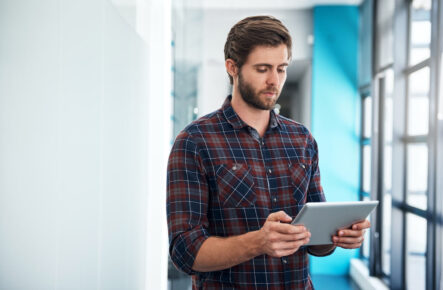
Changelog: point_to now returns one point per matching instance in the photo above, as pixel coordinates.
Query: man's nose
(273, 79)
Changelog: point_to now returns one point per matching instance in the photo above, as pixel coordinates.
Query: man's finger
(279, 216)
(295, 244)
(288, 228)
(361, 225)
(346, 240)
(289, 238)
(350, 233)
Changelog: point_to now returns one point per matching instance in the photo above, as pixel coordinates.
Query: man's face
(261, 78)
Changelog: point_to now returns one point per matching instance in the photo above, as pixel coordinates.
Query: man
(237, 176)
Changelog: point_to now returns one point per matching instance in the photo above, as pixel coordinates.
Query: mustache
(270, 90)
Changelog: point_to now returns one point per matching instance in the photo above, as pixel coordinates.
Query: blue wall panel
(335, 114)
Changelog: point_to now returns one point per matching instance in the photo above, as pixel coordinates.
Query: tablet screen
(324, 219)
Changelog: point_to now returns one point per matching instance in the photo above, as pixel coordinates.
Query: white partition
(74, 147)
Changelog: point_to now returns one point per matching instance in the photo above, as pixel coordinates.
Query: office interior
(93, 93)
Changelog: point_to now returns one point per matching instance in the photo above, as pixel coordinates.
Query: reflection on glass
(367, 168)
(386, 233)
(388, 168)
(389, 83)
(418, 116)
(417, 167)
(388, 129)
(417, 174)
(420, 31)
(367, 107)
(389, 90)
(419, 83)
(416, 252)
(418, 102)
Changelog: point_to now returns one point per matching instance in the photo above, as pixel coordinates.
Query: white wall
(75, 148)
(216, 25)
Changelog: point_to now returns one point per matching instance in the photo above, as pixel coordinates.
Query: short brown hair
(255, 31)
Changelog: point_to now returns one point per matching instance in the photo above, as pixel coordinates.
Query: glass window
(418, 102)
(386, 233)
(420, 31)
(388, 129)
(367, 122)
(387, 168)
(387, 171)
(366, 163)
(367, 168)
(417, 175)
(389, 91)
(366, 243)
(416, 252)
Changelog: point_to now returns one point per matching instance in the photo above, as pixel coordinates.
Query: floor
(327, 282)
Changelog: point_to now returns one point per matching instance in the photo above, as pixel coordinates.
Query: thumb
(279, 216)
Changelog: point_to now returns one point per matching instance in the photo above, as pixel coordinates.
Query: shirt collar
(237, 123)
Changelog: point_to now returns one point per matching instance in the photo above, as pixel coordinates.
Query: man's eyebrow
(270, 65)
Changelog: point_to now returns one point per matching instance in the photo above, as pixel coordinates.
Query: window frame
(401, 139)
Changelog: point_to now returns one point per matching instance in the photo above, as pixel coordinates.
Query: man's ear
(231, 68)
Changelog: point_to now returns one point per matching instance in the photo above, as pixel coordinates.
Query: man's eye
(281, 70)
(261, 70)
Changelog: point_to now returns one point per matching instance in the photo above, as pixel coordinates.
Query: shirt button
(269, 170)
(274, 199)
(285, 261)
(303, 166)
(262, 143)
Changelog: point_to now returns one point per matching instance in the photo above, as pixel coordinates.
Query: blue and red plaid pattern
(224, 180)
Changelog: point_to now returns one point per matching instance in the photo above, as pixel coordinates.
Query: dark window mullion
(401, 57)
(406, 208)
(433, 247)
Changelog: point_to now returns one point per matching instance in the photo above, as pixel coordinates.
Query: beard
(252, 98)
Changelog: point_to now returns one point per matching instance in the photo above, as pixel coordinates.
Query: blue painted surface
(336, 115)
(328, 282)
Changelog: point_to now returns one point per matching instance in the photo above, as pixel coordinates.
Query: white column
(154, 24)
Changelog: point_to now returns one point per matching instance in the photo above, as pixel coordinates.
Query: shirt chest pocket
(300, 177)
(235, 185)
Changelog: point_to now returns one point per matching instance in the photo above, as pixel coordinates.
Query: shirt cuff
(185, 247)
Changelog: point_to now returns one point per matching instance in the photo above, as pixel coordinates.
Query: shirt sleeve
(187, 203)
(315, 193)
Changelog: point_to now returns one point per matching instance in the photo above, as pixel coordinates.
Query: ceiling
(265, 4)
(250, 4)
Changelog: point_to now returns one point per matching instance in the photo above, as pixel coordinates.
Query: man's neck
(256, 118)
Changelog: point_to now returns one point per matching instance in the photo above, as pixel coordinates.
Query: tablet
(324, 219)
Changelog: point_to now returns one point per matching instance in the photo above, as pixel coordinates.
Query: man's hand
(279, 239)
(351, 238)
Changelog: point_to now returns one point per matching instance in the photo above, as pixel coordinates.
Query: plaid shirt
(224, 180)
